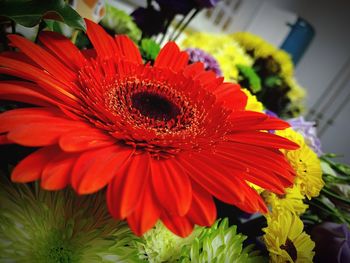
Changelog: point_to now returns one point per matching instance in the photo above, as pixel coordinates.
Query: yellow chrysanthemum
(223, 48)
(252, 103)
(285, 239)
(263, 49)
(291, 201)
(306, 164)
(296, 93)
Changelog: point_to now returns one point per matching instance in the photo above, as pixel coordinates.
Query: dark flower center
(155, 106)
(290, 248)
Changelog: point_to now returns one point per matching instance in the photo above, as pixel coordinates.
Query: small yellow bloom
(285, 239)
(291, 201)
(253, 104)
(223, 48)
(305, 163)
(262, 49)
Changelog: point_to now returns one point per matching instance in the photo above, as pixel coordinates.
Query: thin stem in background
(13, 27)
(186, 24)
(167, 25)
(178, 25)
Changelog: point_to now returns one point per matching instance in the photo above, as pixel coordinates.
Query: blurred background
(316, 33)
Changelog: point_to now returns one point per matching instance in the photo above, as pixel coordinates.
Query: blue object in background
(298, 39)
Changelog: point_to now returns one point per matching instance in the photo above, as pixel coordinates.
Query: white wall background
(325, 57)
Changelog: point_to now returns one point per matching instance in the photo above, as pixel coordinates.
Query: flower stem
(186, 24)
(13, 27)
(329, 193)
(167, 25)
(178, 25)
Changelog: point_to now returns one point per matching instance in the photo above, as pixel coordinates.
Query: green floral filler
(59, 227)
(220, 243)
(120, 22)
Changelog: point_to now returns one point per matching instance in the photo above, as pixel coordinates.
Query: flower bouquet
(120, 146)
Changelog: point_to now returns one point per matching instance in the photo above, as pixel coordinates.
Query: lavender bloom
(198, 55)
(308, 130)
(332, 243)
(270, 113)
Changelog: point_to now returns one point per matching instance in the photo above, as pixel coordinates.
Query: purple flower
(149, 20)
(173, 7)
(308, 130)
(198, 55)
(332, 243)
(206, 3)
(270, 113)
(184, 6)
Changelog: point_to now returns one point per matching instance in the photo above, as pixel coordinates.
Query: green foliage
(161, 245)
(149, 49)
(220, 243)
(333, 203)
(118, 22)
(30, 13)
(60, 227)
(248, 73)
(273, 81)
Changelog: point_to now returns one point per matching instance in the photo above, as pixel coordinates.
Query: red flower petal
(82, 140)
(30, 168)
(96, 168)
(123, 193)
(31, 126)
(35, 127)
(146, 214)
(171, 57)
(24, 92)
(56, 174)
(263, 139)
(193, 69)
(210, 178)
(180, 225)
(253, 201)
(127, 49)
(26, 71)
(231, 96)
(64, 49)
(203, 210)
(257, 160)
(42, 58)
(4, 140)
(102, 42)
(172, 186)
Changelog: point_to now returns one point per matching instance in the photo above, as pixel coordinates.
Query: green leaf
(273, 81)
(149, 49)
(30, 13)
(54, 25)
(250, 75)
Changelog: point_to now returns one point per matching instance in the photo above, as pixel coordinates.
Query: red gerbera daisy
(164, 139)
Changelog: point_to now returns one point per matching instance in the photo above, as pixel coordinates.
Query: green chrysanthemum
(161, 245)
(220, 243)
(50, 227)
(120, 23)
